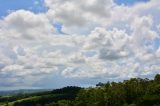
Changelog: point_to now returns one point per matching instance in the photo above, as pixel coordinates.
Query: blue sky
(33, 5)
(38, 5)
(129, 2)
(72, 44)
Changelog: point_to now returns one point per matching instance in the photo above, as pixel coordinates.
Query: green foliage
(157, 78)
(133, 92)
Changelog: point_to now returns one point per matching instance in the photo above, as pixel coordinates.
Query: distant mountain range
(21, 91)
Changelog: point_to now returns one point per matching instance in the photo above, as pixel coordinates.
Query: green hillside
(133, 92)
(42, 98)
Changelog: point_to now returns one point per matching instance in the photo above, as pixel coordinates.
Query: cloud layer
(101, 40)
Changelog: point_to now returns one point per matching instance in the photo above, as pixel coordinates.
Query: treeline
(133, 92)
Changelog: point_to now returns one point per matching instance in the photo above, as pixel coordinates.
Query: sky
(56, 43)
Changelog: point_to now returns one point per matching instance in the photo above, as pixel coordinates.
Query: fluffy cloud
(102, 40)
(74, 14)
(114, 54)
(109, 44)
(27, 25)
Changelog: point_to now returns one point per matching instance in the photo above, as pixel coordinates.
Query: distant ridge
(21, 91)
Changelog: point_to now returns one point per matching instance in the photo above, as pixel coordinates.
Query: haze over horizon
(55, 43)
